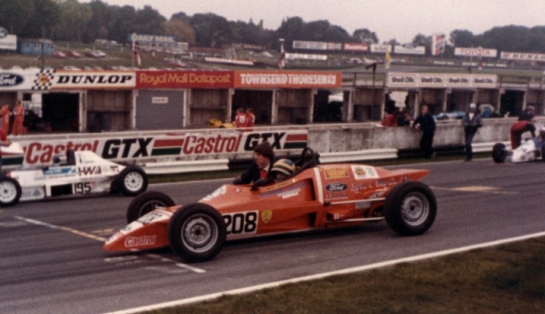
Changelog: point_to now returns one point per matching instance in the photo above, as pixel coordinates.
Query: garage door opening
(260, 101)
(60, 112)
(327, 108)
(511, 102)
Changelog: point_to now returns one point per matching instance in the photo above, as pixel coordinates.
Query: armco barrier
(179, 150)
(368, 154)
(186, 166)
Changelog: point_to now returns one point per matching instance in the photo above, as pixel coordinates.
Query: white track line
(101, 239)
(416, 258)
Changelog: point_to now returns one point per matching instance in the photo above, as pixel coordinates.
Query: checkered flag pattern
(43, 80)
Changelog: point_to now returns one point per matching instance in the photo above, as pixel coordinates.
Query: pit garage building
(94, 101)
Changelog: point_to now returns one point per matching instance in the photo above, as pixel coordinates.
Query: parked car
(95, 54)
(72, 54)
(59, 54)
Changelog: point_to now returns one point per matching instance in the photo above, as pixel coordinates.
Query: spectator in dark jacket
(472, 122)
(404, 118)
(426, 123)
(260, 167)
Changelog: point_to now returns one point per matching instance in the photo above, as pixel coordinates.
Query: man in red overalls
(517, 129)
(19, 113)
(250, 119)
(240, 119)
(5, 118)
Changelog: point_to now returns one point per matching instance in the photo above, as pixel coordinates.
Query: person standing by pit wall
(19, 113)
(240, 119)
(250, 119)
(426, 123)
(472, 122)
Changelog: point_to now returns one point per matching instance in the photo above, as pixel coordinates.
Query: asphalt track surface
(52, 262)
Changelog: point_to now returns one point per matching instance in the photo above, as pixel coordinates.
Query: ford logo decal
(336, 187)
(8, 79)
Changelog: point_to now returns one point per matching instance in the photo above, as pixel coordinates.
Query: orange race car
(314, 197)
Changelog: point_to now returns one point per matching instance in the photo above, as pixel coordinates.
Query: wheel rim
(415, 209)
(133, 181)
(149, 206)
(8, 192)
(199, 233)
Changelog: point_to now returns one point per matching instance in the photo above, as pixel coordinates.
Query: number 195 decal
(238, 224)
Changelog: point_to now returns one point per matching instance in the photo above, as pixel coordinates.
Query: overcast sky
(399, 19)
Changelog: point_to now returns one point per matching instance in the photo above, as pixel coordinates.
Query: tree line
(70, 20)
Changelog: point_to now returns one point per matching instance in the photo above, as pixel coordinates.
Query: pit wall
(215, 144)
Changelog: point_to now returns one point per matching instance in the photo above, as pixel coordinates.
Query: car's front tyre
(196, 232)
(499, 153)
(410, 208)
(132, 181)
(10, 191)
(146, 203)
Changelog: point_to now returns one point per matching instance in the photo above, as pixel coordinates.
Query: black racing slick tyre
(146, 203)
(499, 153)
(132, 181)
(543, 153)
(196, 233)
(10, 191)
(410, 208)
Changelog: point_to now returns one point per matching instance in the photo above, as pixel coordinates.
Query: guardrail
(186, 166)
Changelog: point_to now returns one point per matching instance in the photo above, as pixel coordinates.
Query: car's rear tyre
(146, 203)
(499, 153)
(132, 181)
(10, 191)
(410, 208)
(196, 232)
(543, 153)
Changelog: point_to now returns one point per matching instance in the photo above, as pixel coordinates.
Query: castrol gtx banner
(155, 146)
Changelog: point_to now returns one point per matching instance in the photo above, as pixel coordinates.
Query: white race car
(82, 172)
(530, 150)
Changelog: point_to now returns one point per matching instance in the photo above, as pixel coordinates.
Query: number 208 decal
(241, 223)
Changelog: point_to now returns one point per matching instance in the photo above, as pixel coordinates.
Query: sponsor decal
(336, 173)
(356, 47)
(60, 171)
(10, 80)
(125, 148)
(296, 141)
(410, 49)
(287, 79)
(266, 215)
(336, 196)
(358, 187)
(140, 241)
(336, 187)
(309, 45)
(187, 144)
(52, 79)
(475, 52)
(87, 171)
(163, 147)
(441, 80)
(184, 79)
(36, 152)
(279, 190)
(380, 48)
(364, 172)
(362, 205)
(522, 56)
(241, 224)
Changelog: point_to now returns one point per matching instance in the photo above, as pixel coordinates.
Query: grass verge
(505, 279)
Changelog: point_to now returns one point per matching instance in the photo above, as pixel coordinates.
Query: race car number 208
(237, 224)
